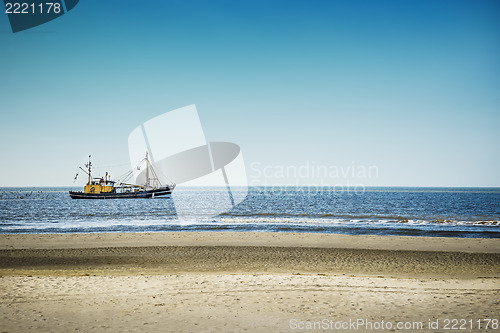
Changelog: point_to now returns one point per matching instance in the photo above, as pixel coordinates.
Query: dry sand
(262, 282)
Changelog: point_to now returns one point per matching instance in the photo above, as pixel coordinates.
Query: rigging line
(163, 175)
(125, 177)
(125, 174)
(156, 179)
(146, 140)
(129, 173)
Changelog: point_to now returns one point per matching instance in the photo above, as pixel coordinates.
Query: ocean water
(442, 212)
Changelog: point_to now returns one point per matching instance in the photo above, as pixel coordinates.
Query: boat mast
(147, 171)
(89, 165)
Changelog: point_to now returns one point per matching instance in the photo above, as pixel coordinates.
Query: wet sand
(230, 282)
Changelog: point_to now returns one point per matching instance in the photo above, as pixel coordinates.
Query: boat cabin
(100, 185)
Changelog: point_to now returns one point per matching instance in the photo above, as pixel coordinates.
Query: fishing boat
(105, 188)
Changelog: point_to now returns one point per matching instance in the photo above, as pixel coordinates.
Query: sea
(407, 211)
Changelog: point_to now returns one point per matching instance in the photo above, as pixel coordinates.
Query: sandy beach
(256, 282)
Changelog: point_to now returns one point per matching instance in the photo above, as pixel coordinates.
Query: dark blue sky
(409, 86)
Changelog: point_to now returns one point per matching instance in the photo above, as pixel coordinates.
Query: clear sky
(411, 87)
